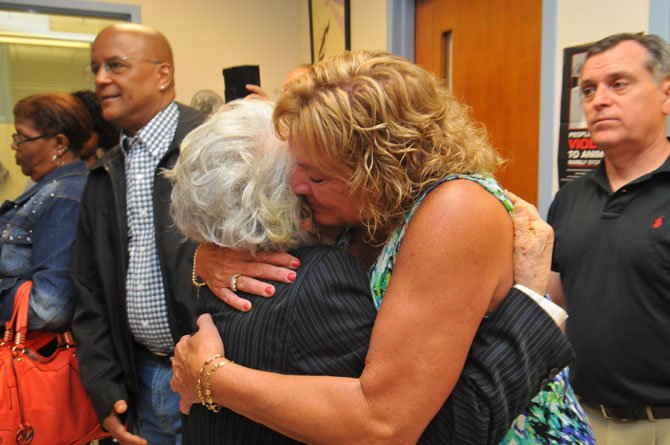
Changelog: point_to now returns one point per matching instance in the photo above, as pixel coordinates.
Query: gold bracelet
(194, 276)
(202, 370)
(209, 403)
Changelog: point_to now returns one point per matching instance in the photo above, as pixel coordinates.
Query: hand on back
(216, 266)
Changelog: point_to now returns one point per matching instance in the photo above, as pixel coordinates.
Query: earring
(56, 158)
(162, 87)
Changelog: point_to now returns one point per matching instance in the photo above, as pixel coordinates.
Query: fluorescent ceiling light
(63, 40)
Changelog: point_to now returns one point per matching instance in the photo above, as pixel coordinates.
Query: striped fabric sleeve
(515, 352)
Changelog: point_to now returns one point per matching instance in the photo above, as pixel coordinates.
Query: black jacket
(321, 325)
(100, 325)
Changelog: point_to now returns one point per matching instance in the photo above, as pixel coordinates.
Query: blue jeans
(160, 418)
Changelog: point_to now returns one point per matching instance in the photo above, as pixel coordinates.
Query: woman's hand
(189, 355)
(533, 246)
(217, 266)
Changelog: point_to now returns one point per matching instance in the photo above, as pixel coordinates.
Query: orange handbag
(42, 400)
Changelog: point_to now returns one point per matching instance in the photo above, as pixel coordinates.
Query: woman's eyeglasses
(19, 139)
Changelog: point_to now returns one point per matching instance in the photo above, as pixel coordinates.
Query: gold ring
(233, 282)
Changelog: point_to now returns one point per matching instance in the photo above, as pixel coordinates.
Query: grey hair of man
(232, 183)
(658, 50)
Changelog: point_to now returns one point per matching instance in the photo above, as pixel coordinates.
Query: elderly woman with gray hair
(232, 189)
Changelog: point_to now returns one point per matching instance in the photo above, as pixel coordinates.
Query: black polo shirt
(613, 253)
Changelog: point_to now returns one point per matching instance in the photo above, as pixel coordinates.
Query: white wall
(369, 27)
(582, 21)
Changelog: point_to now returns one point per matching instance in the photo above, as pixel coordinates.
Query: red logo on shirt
(658, 222)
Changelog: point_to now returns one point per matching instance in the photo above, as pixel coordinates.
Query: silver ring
(233, 282)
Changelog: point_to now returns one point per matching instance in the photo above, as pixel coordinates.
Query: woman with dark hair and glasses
(38, 228)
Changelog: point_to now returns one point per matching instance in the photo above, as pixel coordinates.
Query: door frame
(401, 28)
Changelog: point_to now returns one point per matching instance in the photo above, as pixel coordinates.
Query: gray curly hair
(231, 183)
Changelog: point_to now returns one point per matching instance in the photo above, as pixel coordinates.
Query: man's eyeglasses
(116, 66)
(19, 139)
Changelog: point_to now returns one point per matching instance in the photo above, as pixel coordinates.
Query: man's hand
(533, 246)
(217, 265)
(112, 424)
(256, 92)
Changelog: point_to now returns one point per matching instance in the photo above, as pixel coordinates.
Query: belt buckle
(603, 410)
(604, 413)
(647, 409)
(650, 414)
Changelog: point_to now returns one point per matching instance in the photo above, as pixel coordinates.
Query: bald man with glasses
(131, 267)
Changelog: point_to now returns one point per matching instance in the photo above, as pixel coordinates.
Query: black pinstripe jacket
(321, 325)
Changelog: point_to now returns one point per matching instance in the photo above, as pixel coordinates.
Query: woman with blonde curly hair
(387, 157)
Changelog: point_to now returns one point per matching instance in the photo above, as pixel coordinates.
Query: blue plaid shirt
(146, 305)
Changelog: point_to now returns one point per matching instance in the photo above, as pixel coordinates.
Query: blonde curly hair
(392, 125)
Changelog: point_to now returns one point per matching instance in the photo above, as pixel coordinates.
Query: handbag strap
(18, 323)
(16, 328)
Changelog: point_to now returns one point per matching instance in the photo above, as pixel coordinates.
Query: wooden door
(495, 66)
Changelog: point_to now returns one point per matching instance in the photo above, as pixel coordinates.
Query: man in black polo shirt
(611, 258)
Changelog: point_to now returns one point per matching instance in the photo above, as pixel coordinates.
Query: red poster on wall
(577, 154)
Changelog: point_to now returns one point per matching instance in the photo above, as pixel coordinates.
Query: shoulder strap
(488, 183)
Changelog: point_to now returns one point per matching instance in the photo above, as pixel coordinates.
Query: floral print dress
(554, 416)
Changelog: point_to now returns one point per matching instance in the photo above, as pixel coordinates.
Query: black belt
(162, 357)
(630, 413)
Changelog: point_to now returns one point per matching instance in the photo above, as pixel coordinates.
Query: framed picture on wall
(329, 27)
(577, 154)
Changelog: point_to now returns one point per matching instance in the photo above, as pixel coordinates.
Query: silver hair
(231, 183)
(658, 51)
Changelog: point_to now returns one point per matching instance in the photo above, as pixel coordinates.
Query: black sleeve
(552, 221)
(333, 318)
(100, 371)
(514, 354)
